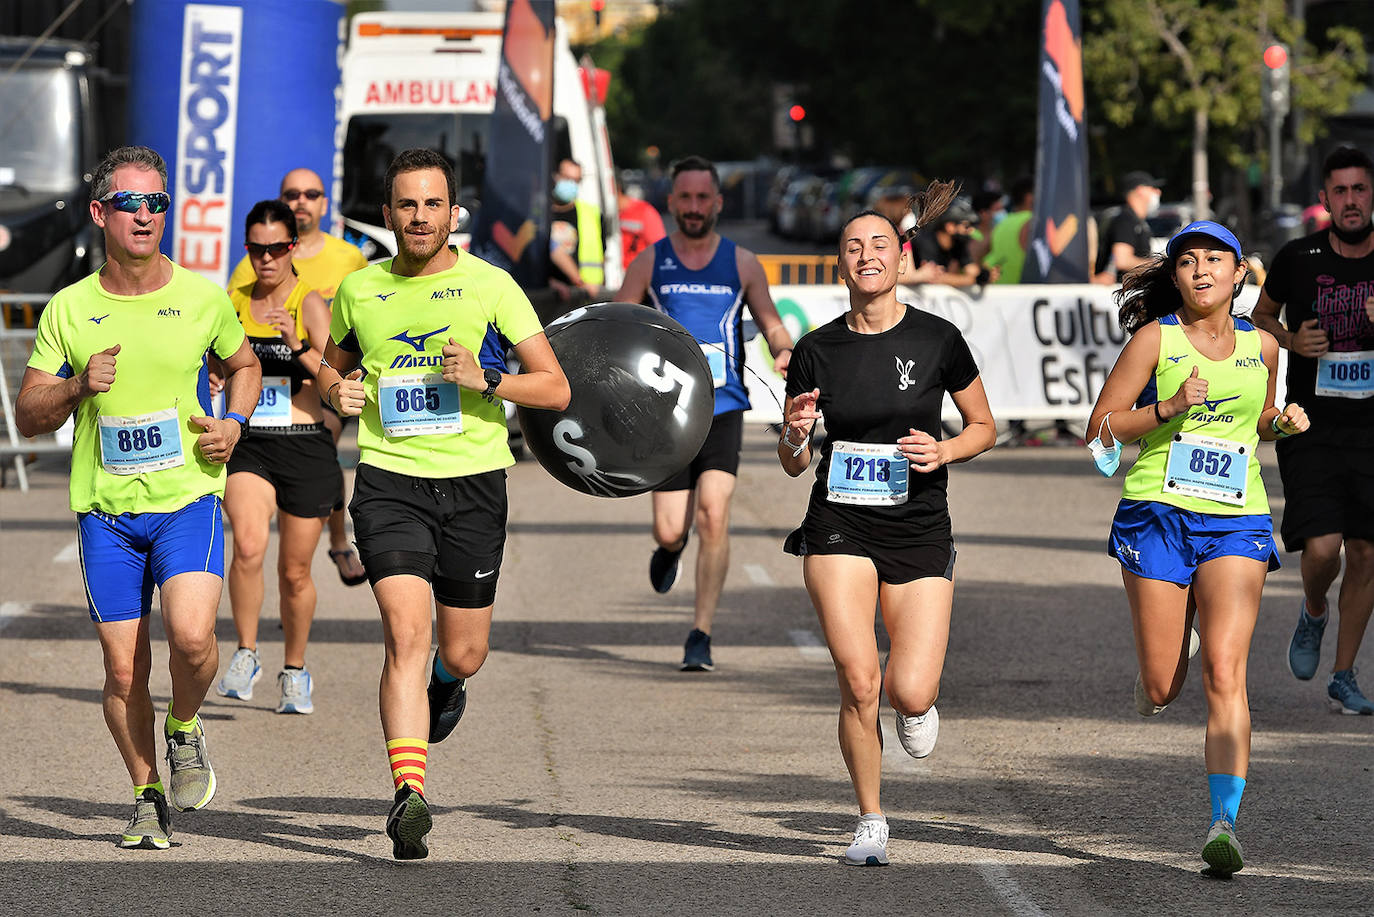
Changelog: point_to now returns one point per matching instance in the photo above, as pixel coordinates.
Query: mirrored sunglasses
(131, 201)
(275, 249)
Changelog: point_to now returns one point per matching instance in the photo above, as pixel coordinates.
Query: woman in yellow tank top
(1193, 534)
(288, 464)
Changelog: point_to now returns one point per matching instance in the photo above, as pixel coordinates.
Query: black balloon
(642, 401)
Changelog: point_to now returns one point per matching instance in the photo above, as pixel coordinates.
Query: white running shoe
(295, 691)
(918, 733)
(1143, 705)
(244, 670)
(870, 842)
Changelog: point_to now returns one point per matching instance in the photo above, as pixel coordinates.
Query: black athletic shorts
(1328, 485)
(454, 527)
(299, 461)
(899, 553)
(720, 452)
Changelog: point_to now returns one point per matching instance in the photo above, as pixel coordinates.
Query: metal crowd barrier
(15, 346)
(800, 269)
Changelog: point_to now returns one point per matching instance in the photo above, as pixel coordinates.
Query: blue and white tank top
(709, 304)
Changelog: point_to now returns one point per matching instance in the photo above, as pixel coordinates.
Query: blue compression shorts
(123, 556)
(1158, 541)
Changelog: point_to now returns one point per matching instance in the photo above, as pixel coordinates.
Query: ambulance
(429, 80)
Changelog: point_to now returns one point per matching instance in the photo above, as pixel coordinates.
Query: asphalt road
(590, 776)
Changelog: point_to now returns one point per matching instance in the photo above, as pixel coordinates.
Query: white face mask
(1152, 206)
(1106, 458)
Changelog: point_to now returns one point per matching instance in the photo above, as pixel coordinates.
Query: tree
(1201, 65)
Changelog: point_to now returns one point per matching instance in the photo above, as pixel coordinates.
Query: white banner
(1043, 350)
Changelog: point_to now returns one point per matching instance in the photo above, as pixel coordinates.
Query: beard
(420, 249)
(707, 225)
(1352, 236)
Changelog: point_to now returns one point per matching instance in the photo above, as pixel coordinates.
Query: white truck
(429, 80)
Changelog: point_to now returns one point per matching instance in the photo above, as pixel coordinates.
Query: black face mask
(1353, 236)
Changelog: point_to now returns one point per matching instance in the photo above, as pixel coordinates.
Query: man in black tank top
(1324, 283)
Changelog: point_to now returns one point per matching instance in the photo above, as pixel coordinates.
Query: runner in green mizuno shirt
(429, 499)
(124, 349)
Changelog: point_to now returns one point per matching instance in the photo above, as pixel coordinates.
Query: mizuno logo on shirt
(710, 289)
(904, 380)
(447, 293)
(1213, 405)
(406, 361)
(385, 296)
(100, 319)
(418, 341)
(1174, 359)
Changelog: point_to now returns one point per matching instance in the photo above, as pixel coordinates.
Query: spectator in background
(1126, 242)
(991, 208)
(1011, 235)
(640, 224)
(577, 247)
(944, 256)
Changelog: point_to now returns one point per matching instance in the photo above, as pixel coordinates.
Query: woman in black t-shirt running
(877, 526)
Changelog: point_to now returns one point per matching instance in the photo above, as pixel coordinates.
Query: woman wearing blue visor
(1195, 385)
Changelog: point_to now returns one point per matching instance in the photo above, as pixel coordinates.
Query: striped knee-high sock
(408, 758)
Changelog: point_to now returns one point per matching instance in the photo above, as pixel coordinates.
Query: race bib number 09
(1213, 469)
(274, 404)
(422, 405)
(867, 474)
(1346, 375)
(135, 445)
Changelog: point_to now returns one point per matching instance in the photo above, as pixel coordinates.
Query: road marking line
(1000, 881)
(11, 610)
(809, 645)
(758, 575)
(68, 555)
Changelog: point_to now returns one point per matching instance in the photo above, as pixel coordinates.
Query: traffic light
(1276, 89)
(598, 7)
(796, 113)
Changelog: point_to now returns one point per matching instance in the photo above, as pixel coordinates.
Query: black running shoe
(447, 701)
(696, 652)
(663, 567)
(408, 825)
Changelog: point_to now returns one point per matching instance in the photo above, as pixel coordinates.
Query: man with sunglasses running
(321, 261)
(124, 349)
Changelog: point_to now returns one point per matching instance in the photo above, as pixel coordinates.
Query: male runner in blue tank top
(704, 280)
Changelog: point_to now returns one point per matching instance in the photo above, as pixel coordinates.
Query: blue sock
(1225, 790)
(445, 678)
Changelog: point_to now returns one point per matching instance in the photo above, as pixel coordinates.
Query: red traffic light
(796, 113)
(1275, 56)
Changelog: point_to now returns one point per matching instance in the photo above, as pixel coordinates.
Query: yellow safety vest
(591, 251)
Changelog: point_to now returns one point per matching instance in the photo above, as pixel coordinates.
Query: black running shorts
(720, 452)
(299, 461)
(1328, 485)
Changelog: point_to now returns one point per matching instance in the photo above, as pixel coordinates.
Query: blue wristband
(232, 415)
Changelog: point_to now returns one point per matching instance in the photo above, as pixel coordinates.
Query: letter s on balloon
(663, 376)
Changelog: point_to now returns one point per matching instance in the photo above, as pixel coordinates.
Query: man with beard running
(702, 280)
(1323, 283)
(429, 499)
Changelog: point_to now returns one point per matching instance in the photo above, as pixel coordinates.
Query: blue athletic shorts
(123, 556)
(1163, 542)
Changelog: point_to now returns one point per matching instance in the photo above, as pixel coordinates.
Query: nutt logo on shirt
(167, 311)
(447, 293)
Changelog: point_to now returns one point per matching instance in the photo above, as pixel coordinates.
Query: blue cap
(1207, 228)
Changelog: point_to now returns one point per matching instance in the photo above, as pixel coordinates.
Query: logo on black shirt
(418, 341)
(904, 380)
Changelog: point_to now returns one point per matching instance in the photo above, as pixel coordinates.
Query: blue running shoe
(1345, 694)
(696, 652)
(1305, 649)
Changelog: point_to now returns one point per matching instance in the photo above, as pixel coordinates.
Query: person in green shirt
(125, 351)
(1011, 234)
(429, 500)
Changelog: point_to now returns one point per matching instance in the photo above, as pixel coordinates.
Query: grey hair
(140, 156)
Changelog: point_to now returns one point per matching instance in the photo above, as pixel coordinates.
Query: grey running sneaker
(696, 652)
(870, 842)
(151, 826)
(295, 691)
(1346, 696)
(1305, 649)
(447, 701)
(1143, 705)
(408, 825)
(918, 733)
(192, 784)
(663, 567)
(242, 673)
(1222, 850)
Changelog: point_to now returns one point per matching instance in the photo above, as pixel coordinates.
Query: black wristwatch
(493, 377)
